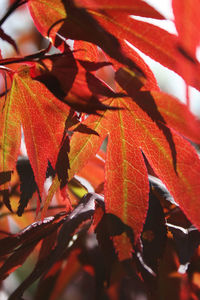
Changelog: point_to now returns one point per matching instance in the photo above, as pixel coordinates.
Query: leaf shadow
(61, 75)
(62, 163)
(144, 99)
(81, 25)
(4, 193)
(72, 82)
(28, 185)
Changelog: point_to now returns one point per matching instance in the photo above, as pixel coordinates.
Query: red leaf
(65, 23)
(87, 99)
(123, 245)
(39, 112)
(188, 30)
(136, 7)
(93, 172)
(45, 13)
(64, 75)
(177, 116)
(126, 182)
(111, 27)
(142, 124)
(58, 73)
(150, 82)
(83, 147)
(85, 51)
(188, 37)
(145, 37)
(67, 272)
(171, 165)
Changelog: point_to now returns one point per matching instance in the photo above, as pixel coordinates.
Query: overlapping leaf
(137, 7)
(140, 126)
(144, 36)
(63, 75)
(83, 212)
(146, 124)
(43, 121)
(46, 13)
(43, 118)
(77, 24)
(85, 51)
(112, 24)
(24, 243)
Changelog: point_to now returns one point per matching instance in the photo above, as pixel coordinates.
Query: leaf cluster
(120, 216)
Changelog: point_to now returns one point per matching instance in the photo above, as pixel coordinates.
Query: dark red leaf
(84, 211)
(35, 232)
(27, 183)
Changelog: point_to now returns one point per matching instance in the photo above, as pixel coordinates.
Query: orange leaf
(43, 120)
(107, 26)
(10, 138)
(45, 13)
(177, 116)
(140, 125)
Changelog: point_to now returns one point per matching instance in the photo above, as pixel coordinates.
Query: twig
(31, 210)
(12, 8)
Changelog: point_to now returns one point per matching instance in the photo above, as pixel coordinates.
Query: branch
(38, 55)
(31, 210)
(12, 8)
